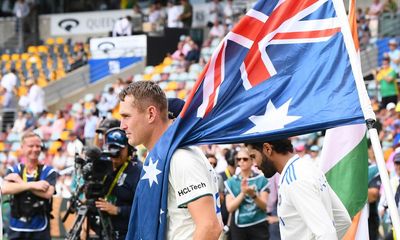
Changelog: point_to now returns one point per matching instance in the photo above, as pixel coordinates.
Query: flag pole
(369, 114)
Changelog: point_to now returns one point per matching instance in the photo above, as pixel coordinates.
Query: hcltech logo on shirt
(190, 188)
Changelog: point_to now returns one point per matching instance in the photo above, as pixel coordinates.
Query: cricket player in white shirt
(308, 208)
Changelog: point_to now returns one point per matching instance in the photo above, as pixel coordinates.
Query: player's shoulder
(299, 170)
(187, 156)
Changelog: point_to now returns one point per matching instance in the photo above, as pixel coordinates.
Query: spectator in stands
(108, 101)
(229, 171)
(119, 85)
(176, 55)
(187, 14)
(364, 34)
(229, 14)
(193, 55)
(80, 58)
(123, 27)
(394, 55)
(375, 10)
(154, 14)
(215, 13)
(174, 11)
(9, 81)
(58, 124)
(35, 101)
(300, 150)
(218, 30)
(386, 78)
(314, 155)
(9, 98)
(187, 46)
(19, 123)
(374, 185)
(181, 65)
(30, 122)
(21, 9)
(6, 8)
(90, 127)
(74, 146)
(390, 6)
(395, 185)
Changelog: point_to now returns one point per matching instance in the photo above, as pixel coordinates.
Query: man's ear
(151, 114)
(267, 149)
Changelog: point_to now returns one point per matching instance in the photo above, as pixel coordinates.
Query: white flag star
(273, 119)
(151, 172)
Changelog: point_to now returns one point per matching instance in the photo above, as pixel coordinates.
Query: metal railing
(7, 118)
(389, 25)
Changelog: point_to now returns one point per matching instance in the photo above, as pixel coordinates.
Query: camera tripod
(106, 232)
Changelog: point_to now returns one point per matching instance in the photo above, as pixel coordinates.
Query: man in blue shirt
(31, 202)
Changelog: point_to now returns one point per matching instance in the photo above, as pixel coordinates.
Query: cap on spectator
(107, 124)
(175, 106)
(300, 148)
(392, 41)
(396, 158)
(117, 137)
(390, 106)
(314, 148)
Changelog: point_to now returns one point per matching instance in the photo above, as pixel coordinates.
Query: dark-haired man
(308, 208)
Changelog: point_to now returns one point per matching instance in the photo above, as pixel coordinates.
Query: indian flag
(344, 160)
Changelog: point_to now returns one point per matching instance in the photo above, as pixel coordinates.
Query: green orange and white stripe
(344, 160)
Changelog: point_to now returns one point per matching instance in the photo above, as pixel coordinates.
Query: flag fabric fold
(290, 74)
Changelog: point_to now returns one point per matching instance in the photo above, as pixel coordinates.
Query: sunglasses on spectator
(245, 159)
(213, 164)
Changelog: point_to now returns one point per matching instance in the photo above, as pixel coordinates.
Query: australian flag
(283, 70)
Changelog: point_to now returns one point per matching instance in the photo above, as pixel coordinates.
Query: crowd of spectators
(68, 130)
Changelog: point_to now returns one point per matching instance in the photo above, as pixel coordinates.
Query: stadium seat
(156, 77)
(182, 77)
(182, 94)
(172, 86)
(170, 94)
(32, 49)
(193, 76)
(42, 49)
(50, 41)
(173, 76)
(59, 40)
(25, 56)
(138, 77)
(148, 69)
(147, 77)
(15, 57)
(5, 57)
(158, 69)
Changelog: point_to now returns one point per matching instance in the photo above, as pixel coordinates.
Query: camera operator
(120, 186)
(31, 201)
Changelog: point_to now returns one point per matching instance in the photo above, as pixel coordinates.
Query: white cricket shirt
(308, 208)
(190, 177)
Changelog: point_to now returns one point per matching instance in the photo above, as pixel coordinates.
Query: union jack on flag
(285, 69)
